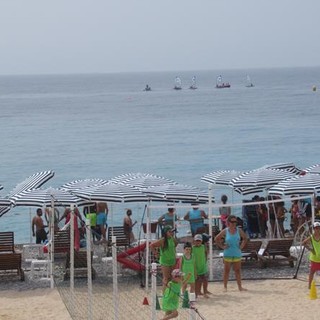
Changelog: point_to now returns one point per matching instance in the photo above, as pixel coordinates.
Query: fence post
(89, 265)
(154, 291)
(115, 278)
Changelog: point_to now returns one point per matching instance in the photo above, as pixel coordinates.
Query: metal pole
(154, 291)
(51, 243)
(210, 234)
(90, 297)
(115, 278)
(72, 254)
(147, 248)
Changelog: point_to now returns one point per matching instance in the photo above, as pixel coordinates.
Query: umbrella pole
(147, 248)
(51, 255)
(210, 234)
(30, 216)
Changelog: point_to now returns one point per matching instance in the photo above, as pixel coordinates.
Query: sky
(108, 36)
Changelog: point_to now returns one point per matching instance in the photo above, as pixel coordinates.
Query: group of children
(191, 271)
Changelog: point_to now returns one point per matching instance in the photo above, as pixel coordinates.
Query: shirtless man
(40, 233)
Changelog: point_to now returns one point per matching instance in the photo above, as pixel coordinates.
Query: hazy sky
(88, 36)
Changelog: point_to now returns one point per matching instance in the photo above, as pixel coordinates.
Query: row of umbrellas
(280, 179)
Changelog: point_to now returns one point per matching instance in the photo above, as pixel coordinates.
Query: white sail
(177, 85)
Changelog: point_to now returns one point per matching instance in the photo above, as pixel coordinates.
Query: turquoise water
(103, 125)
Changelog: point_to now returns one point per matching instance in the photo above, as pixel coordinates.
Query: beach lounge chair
(276, 250)
(80, 265)
(9, 259)
(251, 249)
(122, 239)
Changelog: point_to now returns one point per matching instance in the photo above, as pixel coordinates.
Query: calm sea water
(103, 125)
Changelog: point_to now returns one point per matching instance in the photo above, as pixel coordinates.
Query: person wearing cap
(171, 296)
(196, 218)
(312, 244)
(199, 251)
(167, 245)
(232, 240)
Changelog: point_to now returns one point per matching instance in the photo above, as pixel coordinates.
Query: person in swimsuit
(40, 233)
(232, 240)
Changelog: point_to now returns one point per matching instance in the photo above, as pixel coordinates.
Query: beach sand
(265, 300)
(36, 304)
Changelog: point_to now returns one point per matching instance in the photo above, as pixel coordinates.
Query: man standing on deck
(40, 233)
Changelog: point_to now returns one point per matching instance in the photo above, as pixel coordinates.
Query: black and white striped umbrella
(81, 184)
(177, 192)
(221, 177)
(287, 166)
(45, 197)
(260, 179)
(1, 187)
(112, 192)
(33, 182)
(141, 180)
(299, 185)
(314, 169)
(4, 202)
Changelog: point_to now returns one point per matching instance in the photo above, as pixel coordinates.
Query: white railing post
(154, 291)
(115, 278)
(89, 265)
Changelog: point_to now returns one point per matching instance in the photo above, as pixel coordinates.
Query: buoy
(314, 88)
(185, 302)
(145, 301)
(313, 291)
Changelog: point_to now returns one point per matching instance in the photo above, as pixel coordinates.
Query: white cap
(177, 273)
(198, 237)
(316, 224)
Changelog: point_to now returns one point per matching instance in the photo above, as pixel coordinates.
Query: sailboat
(220, 84)
(177, 84)
(249, 84)
(193, 83)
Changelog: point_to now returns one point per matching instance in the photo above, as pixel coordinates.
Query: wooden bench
(122, 239)
(9, 259)
(7, 242)
(251, 249)
(276, 250)
(80, 265)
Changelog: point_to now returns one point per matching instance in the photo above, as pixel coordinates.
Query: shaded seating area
(10, 261)
(276, 251)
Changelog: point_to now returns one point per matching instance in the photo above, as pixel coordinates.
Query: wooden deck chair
(276, 250)
(9, 259)
(251, 249)
(80, 265)
(121, 237)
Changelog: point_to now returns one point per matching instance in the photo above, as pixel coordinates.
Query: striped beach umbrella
(299, 185)
(260, 179)
(45, 198)
(221, 177)
(4, 202)
(287, 166)
(33, 182)
(112, 192)
(81, 184)
(1, 187)
(177, 192)
(141, 180)
(315, 169)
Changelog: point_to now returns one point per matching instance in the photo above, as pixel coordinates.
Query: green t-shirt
(93, 219)
(168, 254)
(199, 253)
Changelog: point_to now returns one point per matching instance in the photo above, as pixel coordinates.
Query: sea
(103, 125)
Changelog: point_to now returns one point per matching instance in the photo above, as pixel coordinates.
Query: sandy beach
(265, 299)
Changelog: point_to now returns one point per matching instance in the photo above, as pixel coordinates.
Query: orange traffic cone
(313, 291)
(145, 301)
